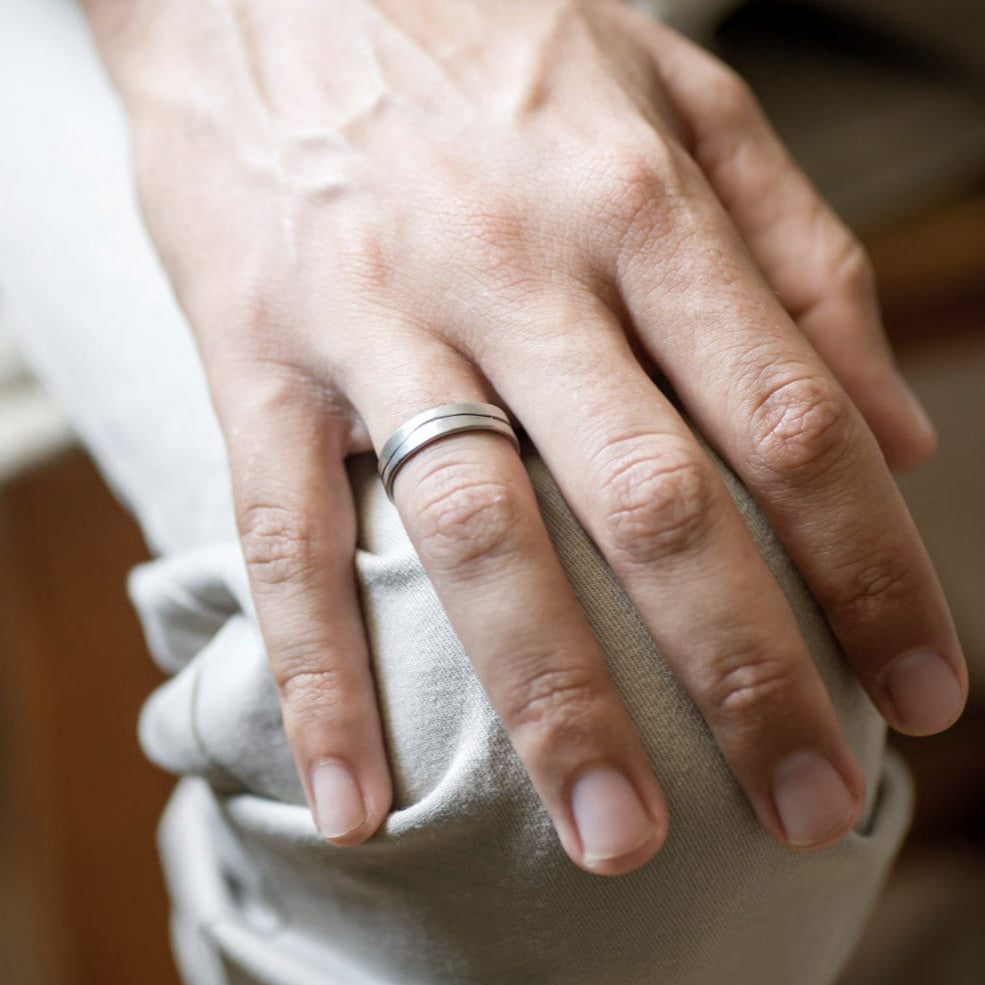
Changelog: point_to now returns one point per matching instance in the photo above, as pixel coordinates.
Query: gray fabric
(466, 882)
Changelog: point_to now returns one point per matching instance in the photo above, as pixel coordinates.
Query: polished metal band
(431, 425)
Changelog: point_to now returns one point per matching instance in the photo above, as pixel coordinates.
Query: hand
(368, 209)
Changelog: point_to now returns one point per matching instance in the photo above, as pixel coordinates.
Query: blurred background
(884, 104)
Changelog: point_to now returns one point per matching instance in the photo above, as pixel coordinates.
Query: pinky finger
(818, 269)
(298, 531)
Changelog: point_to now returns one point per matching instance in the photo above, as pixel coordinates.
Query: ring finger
(470, 511)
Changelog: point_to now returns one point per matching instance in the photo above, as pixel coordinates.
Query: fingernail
(811, 798)
(339, 806)
(610, 818)
(924, 691)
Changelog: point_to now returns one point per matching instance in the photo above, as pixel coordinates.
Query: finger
(469, 508)
(298, 531)
(654, 504)
(818, 269)
(763, 396)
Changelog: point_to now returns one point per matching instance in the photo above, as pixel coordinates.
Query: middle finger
(652, 501)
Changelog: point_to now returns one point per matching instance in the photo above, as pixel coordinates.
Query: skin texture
(371, 208)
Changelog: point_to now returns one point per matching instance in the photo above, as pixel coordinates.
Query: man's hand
(368, 209)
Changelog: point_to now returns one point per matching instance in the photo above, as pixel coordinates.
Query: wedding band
(431, 425)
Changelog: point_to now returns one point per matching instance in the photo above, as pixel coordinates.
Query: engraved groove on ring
(431, 425)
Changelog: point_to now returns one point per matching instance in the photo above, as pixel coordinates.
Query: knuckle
(656, 501)
(641, 188)
(276, 544)
(853, 271)
(463, 519)
(313, 680)
(870, 588)
(494, 245)
(551, 708)
(801, 428)
(643, 170)
(749, 689)
(262, 386)
(310, 695)
(733, 122)
(303, 681)
(366, 262)
(734, 101)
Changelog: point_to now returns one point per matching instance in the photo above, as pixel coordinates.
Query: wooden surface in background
(81, 802)
(930, 269)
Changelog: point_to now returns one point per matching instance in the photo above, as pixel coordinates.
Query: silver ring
(431, 425)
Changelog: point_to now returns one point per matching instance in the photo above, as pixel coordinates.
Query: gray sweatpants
(465, 883)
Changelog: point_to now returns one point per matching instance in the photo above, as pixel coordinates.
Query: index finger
(298, 532)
